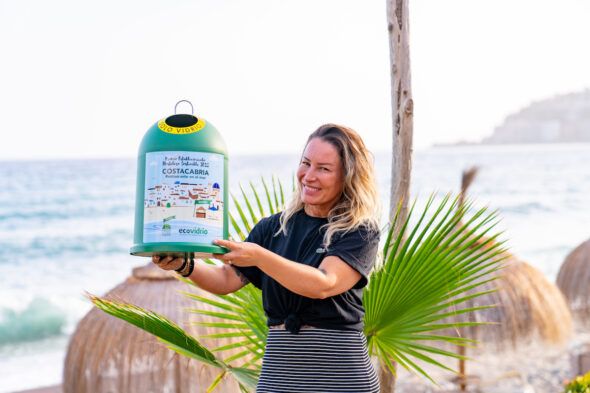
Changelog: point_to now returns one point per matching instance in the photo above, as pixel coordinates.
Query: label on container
(183, 200)
(198, 126)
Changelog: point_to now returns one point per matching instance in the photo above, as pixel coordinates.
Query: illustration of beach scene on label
(183, 199)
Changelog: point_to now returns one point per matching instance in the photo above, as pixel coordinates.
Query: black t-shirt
(304, 244)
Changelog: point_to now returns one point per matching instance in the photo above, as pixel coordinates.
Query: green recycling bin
(181, 196)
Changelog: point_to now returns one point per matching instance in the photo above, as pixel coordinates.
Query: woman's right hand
(220, 280)
(168, 262)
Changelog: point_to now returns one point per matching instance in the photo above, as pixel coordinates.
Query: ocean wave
(39, 320)
(48, 213)
(112, 242)
(527, 208)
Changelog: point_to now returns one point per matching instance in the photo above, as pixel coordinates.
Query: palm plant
(421, 277)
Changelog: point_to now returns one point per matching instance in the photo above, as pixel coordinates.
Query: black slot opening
(181, 121)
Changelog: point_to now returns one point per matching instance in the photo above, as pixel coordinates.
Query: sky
(81, 79)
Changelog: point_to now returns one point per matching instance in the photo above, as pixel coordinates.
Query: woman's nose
(309, 174)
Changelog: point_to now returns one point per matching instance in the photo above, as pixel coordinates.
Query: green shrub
(580, 384)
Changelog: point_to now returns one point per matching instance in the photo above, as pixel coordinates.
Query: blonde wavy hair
(359, 202)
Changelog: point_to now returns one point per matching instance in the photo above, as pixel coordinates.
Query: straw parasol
(573, 279)
(527, 306)
(106, 354)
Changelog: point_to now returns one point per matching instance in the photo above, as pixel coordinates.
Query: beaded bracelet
(191, 267)
(181, 268)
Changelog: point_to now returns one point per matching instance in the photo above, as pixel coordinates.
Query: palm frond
(243, 223)
(244, 220)
(276, 196)
(236, 227)
(258, 201)
(242, 316)
(428, 269)
(268, 197)
(173, 337)
(254, 219)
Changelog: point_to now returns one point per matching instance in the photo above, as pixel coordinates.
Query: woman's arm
(332, 277)
(220, 280)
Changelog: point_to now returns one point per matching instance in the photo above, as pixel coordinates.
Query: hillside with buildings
(563, 118)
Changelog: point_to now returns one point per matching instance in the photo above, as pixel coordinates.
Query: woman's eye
(304, 163)
(324, 169)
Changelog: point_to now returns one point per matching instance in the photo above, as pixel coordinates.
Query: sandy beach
(532, 368)
(47, 389)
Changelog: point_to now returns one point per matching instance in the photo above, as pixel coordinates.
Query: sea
(66, 227)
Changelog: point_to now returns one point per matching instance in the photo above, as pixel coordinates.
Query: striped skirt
(317, 360)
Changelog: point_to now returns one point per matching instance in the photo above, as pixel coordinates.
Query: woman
(311, 262)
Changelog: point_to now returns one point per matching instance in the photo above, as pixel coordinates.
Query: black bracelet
(191, 267)
(180, 269)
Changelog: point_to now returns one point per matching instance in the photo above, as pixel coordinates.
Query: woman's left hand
(240, 253)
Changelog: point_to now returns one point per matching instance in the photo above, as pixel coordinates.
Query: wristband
(181, 268)
(191, 267)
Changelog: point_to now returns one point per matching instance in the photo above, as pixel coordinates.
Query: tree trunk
(402, 104)
(402, 111)
(387, 379)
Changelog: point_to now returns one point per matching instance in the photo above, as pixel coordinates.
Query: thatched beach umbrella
(527, 306)
(574, 281)
(106, 354)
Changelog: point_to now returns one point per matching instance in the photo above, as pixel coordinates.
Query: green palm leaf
(258, 201)
(426, 273)
(253, 216)
(241, 213)
(173, 337)
(275, 201)
(246, 307)
(268, 197)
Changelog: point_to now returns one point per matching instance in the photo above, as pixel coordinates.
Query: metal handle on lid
(188, 102)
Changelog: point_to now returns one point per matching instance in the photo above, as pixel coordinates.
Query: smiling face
(321, 177)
